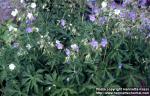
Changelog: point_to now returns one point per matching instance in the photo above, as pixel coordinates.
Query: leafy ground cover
(72, 47)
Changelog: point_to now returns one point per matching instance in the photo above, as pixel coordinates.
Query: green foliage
(41, 69)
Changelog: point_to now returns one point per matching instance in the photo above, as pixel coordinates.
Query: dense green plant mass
(54, 50)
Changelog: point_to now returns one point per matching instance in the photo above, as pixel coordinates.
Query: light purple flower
(123, 15)
(29, 30)
(94, 43)
(59, 45)
(113, 5)
(91, 0)
(62, 22)
(75, 47)
(28, 22)
(123, 5)
(142, 15)
(30, 16)
(15, 45)
(67, 51)
(132, 15)
(126, 2)
(96, 11)
(92, 18)
(102, 20)
(104, 42)
(145, 22)
(142, 2)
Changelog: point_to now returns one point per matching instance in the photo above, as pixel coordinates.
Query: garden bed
(74, 47)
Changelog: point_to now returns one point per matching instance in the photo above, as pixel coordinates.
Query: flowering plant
(72, 47)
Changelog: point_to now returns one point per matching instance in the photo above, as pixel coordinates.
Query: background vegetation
(58, 49)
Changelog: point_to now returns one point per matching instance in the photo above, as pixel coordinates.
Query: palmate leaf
(15, 92)
(3, 72)
(57, 85)
(132, 79)
(54, 80)
(110, 83)
(97, 81)
(54, 59)
(64, 92)
(86, 88)
(84, 74)
(31, 79)
(13, 88)
(148, 76)
(50, 80)
(129, 67)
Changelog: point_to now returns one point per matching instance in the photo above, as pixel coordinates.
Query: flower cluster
(69, 47)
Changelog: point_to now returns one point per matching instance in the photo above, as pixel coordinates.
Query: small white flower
(75, 47)
(67, 59)
(42, 36)
(84, 41)
(19, 18)
(104, 4)
(49, 88)
(21, 52)
(21, 1)
(88, 56)
(59, 45)
(11, 28)
(15, 29)
(52, 44)
(44, 5)
(30, 16)
(57, 41)
(68, 79)
(14, 12)
(117, 11)
(12, 67)
(74, 30)
(33, 5)
(49, 42)
(70, 24)
(28, 46)
(37, 29)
